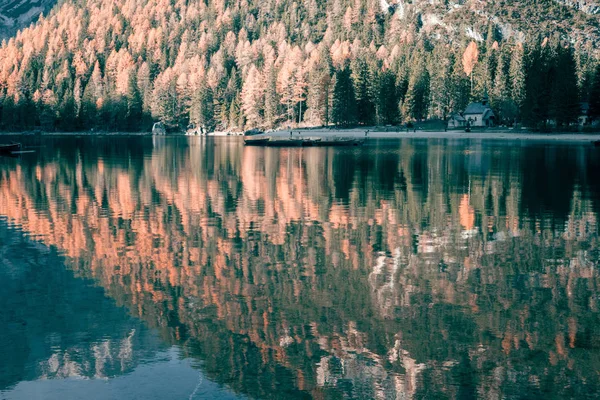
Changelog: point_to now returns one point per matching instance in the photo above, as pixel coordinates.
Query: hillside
(107, 64)
(577, 20)
(17, 14)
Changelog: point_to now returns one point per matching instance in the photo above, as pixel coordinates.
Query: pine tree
(460, 91)
(271, 96)
(67, 113)
(440, 71)
(344, 100)
(517, 78)
(165, 102)
(594, 111)
(202, 112)
(134, 107)
(8, 113)
(363, 81)
(500, 94)
(236, 117)
(253, 98)
(416, 102)
(319, 89)
(564, 105)
(536, 104)
(299, 92)
(388, 112)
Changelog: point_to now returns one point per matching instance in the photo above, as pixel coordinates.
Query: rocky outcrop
(587, 6)
(577, 21)
(16, 14)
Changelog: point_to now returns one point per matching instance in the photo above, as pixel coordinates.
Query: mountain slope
(16, 14)
(454, 19)
(577, 19)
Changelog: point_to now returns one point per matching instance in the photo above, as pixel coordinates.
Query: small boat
(337, 142)
(302, 141)
(9, 148)
(253, 132)
(257, 141)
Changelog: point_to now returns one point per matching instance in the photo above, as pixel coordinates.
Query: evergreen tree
(134, 102)
(319, 89)
(165, 102)
(271, 97)
(460, 90)
(8, 113)
(536, 105)
(363, 89)
(236, 117)
(594, 111)
(517, 78)
(564, 102)
(67, 113)
(299, 97)
(344, 99)
(253, 98)
(416, 102)
(202, 112)
(440, 71)
(501, 99)
(388, 111)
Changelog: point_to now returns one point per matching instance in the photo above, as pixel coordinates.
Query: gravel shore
(372, 134)
(491, 135)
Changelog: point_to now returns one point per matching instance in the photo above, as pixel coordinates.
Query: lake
(174, 267)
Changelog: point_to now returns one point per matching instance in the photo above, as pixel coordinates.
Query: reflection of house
(456, 121)
(584, 114)
(480, 114)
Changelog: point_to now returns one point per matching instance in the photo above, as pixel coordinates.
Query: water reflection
(402, 269)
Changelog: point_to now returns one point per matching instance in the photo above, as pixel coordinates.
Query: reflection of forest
(57, 326)
(446, 270)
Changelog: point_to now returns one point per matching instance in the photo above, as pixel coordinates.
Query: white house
(456, 121)
(480, 114)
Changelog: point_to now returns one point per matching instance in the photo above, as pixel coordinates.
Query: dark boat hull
(284, 142)
(256, 142)
(9, 148)
(323, 143)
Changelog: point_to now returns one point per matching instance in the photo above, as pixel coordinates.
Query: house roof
(477, 108)
(457, 117)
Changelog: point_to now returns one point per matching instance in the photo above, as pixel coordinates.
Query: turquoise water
(140, 267)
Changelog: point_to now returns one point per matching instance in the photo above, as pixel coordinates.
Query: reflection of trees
(54, 325)
(418, 270)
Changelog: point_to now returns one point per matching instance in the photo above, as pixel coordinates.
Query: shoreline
(486, 135)
(356, 133)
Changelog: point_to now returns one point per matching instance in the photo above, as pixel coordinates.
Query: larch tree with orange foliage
(470, 59)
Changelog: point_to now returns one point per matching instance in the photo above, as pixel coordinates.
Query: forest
(107, 65)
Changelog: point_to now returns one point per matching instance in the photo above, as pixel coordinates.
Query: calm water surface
(191, 268)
